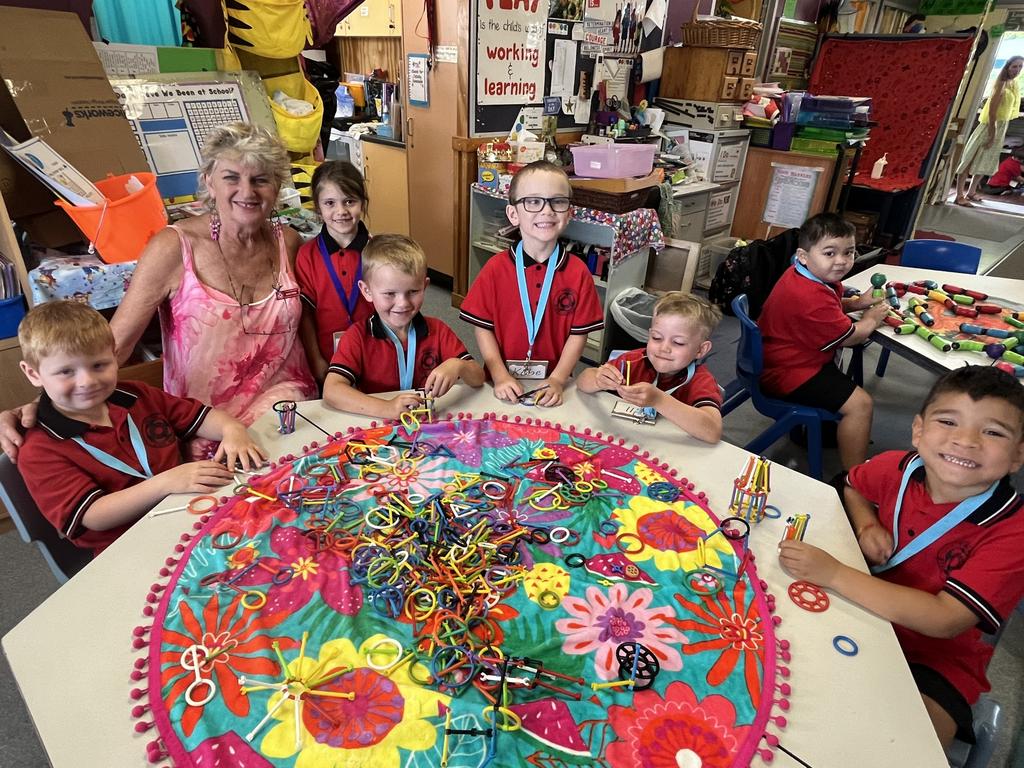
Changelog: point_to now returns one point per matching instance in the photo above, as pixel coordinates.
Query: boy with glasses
(538, 331)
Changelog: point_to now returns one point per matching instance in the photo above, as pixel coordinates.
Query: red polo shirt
(701, 391)
(318, 291)
(802, 324)
(573, 306)
(980, 562)
(1008, 171)
(163, 420)
(367, 357)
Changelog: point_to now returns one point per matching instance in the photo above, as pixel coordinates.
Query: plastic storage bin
(121, 228)
(11, 312)
(712, 253)
(613, 161)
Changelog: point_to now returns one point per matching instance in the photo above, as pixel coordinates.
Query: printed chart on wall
(523, 53)
(171, 122)
(789, 197)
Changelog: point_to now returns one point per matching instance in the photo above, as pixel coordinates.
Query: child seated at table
(942, 531)
(1009, 174)
(804, 323)
(396, 348)
(541, 336)
(667, 376)
(102, 452)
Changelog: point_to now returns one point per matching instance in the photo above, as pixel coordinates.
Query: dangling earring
(275, 224)
(214, 225)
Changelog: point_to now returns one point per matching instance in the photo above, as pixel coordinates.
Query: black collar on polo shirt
(358, 242)
(64, 427)
(376, 326)
(528, 260)
(1003, 503)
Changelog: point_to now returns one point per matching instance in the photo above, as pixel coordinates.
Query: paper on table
(563, 68)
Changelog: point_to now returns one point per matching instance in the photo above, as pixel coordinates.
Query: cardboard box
(54, 87)
(653, 179)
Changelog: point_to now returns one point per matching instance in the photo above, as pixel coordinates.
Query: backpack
(753, 269)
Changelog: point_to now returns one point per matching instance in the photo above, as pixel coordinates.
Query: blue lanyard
(406, 366)
(936, 530)
(115, 463)
(801, 269)
(690, 369)
(534, 319)
(350, 300)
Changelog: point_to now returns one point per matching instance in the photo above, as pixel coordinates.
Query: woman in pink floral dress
(224, 287)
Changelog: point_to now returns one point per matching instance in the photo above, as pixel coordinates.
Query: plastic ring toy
(620, 542)
(809, 596)
(608, 527)
(575, 560)
(647, 664)
(559, 534)
(735, 528)
(549, 600)
(253, 600)
(773, 509)
(845, 645)
(663, 491)
(233, 540)
(510, 721)
(200, 505)
(703, 582)
(391, 647)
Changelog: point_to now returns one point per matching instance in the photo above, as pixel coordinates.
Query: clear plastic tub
(613, 161)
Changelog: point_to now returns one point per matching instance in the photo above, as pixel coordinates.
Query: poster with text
(511, 51)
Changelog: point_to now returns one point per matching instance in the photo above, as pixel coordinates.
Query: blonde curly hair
(244, 143)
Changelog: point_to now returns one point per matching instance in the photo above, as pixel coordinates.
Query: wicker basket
(612, 202)
(721, 33)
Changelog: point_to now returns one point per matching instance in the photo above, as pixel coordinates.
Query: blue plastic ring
(845, 645)
(776, 510)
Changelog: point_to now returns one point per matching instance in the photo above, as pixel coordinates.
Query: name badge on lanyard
(529, 368)
(642, 414)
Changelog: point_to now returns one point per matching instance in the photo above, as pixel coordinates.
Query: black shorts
(829, 389)
(941, 691)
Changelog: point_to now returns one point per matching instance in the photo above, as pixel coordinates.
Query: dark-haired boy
(941, 529)
(804, 323)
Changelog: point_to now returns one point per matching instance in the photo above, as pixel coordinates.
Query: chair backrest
(749, 360)
(63, 557)
(944, 255)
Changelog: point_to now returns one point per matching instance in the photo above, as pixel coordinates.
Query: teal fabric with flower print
(387, 598)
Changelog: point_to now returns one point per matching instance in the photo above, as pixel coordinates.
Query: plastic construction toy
(750, 490)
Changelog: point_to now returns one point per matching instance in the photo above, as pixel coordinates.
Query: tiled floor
(997, 232)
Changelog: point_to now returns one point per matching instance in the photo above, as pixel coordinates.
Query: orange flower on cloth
(389, 712)
(669, 532)
(238, 645)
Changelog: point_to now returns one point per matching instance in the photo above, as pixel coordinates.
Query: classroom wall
(975, 93)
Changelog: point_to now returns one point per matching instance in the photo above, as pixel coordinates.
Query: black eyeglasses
(536, 204)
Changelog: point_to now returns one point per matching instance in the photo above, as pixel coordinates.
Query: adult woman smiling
(224, 288)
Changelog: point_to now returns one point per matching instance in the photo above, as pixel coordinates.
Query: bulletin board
(525, 84)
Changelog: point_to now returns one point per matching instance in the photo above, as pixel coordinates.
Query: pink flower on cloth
(656, 732)
(602, 622)
(325, 572)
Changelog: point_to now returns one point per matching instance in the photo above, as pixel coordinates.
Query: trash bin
(631, 313)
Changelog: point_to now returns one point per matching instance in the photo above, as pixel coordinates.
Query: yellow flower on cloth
(387, 713)
(669, 533)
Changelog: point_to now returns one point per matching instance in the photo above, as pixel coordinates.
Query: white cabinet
(487, 218)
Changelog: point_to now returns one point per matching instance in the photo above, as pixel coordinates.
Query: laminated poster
(510, 52)
(789, 197)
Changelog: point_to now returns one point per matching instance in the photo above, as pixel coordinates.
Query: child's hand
(551, 396)
(876, 544)
(443, 377)
(196, 477)
(609, 377)
(507, 388)
(237, 446)
(876, 313)
(644, 394)
(399, 404)
(807, 562)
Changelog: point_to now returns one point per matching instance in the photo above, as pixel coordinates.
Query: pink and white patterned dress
(240, 365)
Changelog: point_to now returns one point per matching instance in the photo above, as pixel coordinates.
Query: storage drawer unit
(708, 74)
(719, 155)
(708, 115)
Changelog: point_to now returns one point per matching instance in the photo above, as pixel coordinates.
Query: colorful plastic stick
(965, 311)
(906, 329)
(988, 309)
(750, 490)
(936, 341)
(948, 288)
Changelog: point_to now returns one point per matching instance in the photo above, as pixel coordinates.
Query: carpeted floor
(25, 581)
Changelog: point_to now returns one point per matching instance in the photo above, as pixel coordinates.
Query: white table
(918, 350)
(72, 656)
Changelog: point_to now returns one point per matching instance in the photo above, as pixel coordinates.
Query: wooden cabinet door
(374, 18)
(387, 186)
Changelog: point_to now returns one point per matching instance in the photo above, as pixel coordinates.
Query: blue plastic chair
(749, 364)
(941, 255)
(63, 557)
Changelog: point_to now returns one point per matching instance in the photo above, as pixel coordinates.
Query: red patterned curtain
(911, 84)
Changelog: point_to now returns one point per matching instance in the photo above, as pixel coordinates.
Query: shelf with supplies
(616, 247)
